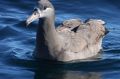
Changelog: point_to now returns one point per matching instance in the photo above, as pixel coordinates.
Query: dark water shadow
(87, 66)
(52, 70)
(45, 69)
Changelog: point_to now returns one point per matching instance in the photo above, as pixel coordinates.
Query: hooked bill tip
(27, 23)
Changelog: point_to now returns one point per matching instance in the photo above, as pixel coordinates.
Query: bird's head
(44, 10)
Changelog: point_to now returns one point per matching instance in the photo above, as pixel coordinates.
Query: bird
(72, 40)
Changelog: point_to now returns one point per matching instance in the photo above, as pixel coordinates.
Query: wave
(8, 32)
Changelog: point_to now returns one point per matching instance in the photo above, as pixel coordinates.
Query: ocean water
(17, 41)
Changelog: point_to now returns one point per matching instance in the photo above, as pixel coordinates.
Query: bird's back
(81, 39)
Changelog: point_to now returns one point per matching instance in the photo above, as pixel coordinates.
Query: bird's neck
(46, 27)
(47, 34)
(51, 35)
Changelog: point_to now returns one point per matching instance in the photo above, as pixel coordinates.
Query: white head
(44, 10)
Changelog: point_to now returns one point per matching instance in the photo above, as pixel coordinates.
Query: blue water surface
(17, 41)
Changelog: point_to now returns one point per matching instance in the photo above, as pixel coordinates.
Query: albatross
(72, 40)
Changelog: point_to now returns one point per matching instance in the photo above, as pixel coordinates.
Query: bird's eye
(35, 13)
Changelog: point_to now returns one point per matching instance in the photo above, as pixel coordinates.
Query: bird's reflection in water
(51, 70)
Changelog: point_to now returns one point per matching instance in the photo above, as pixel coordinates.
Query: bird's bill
(35, 15)
(32, 17)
